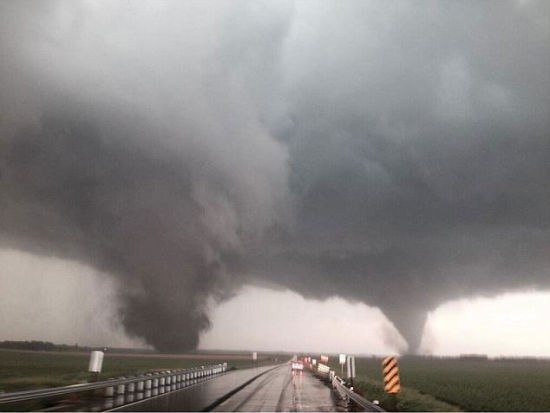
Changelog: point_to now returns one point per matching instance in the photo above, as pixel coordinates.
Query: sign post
(342, 361)
(390, 371)
(96, 363)
(351, 368)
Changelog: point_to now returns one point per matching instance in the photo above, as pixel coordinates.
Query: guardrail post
(140, 386)
(155, 389)
(120, 389)
(148, 386)
(148, 383)
(119, 400)
(109, 391)
(123, 390)
(130, 389)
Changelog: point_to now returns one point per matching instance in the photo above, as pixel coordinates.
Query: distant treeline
(40, 345)
(464, 357)
(35, 345)
(478, 357)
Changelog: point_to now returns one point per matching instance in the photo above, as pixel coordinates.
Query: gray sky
(391, 154)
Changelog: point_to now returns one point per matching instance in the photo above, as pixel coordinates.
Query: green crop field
(433, 384)
(23, 370)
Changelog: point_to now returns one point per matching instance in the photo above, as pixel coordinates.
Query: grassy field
(433, 384)
(429, 384)
(23, 370)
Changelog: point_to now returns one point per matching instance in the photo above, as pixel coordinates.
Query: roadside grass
(26, 370)
(470, 385)
(408, 400)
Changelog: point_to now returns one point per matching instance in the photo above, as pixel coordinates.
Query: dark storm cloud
(392, 153)
(419, 154)
(131, 149)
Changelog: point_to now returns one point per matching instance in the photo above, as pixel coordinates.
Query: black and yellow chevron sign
(391, 375)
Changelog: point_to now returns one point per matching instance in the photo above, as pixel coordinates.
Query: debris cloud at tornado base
(395, 154)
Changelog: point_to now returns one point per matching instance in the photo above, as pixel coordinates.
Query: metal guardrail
(123, 385)
(339, 385)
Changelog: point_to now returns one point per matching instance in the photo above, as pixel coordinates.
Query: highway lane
(271, 389)
(199, 396)
(282, 390)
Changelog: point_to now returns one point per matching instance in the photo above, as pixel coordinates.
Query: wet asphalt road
(282, 391)
(196, 397)
(277, 389)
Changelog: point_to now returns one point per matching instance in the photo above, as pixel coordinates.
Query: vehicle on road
(297, 366)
